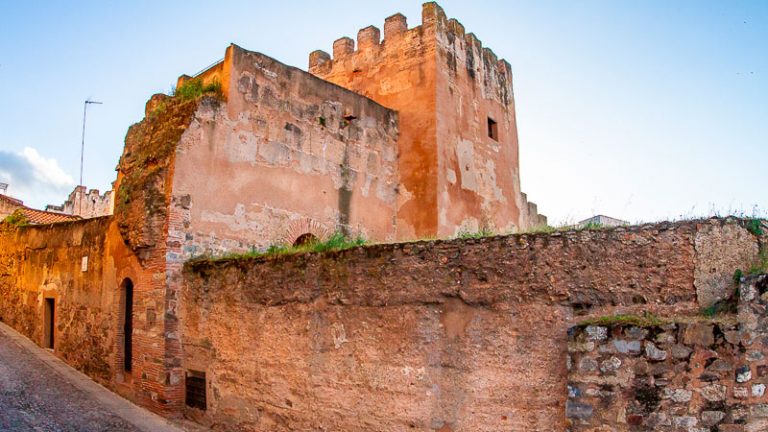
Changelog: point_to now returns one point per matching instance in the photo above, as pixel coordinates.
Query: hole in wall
(305, 239)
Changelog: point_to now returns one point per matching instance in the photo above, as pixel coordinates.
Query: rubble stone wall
(693, 375)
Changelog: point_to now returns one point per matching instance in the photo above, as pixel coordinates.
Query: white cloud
(33, 178)
(47, 171)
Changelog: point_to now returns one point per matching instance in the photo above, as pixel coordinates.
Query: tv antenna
(82, 145)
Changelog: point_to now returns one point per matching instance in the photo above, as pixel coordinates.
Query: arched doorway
(126, 315)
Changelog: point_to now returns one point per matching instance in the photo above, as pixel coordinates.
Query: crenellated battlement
(461, 51)
(457, 117)
(369, 39)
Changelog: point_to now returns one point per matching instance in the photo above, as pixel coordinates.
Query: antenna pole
(82, 143)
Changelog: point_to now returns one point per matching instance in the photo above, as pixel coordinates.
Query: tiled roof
(39, 217)
(11, 200)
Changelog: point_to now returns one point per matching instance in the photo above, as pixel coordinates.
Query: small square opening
(195, 390)
(493, 129)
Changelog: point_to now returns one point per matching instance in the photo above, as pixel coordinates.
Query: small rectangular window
(493, 129)
(195, 394)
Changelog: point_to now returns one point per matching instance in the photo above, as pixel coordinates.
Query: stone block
(578, 410)
(699, 334)
(395, 26)
(368, 38)
(711, 418)
(596, 333)
(743, 374)
(714, 392)
(343, 47)
(654, 353)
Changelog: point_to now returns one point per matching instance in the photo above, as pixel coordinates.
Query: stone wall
(143, 215)
(447, 335)
(693, 375)
(286, 154)
(79, 265)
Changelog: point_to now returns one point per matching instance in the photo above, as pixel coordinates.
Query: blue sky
(639, 110)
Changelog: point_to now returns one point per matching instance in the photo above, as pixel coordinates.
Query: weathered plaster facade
(447, 89)
(286, 154)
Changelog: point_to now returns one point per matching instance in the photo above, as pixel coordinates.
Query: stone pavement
(39, 392)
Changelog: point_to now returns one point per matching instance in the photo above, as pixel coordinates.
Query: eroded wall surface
(399, 73)
(453, 336)
(479, 175)
(287, 154)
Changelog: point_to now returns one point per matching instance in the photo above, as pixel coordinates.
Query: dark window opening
(493, 129)
(305, 239)
(195, 390)
(128, 325)
(49, 325)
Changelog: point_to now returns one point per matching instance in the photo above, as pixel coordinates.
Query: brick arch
(305, 225)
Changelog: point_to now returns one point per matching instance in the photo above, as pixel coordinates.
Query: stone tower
(458, 145)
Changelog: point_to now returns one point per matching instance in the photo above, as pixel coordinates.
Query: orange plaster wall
(478, 181)
(287, 153)
(399, 73)
(444, 85)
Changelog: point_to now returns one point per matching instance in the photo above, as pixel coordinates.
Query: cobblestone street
(40, 393)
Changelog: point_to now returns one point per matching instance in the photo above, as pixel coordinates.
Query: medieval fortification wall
(410, 136)
(454, 335)
(427, 335)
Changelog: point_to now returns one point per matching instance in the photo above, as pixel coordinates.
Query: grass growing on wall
(645, 320)
(761, 266)
(336, 242)
(195, 88)
(16, 219)
(755, 226)
(483, 232)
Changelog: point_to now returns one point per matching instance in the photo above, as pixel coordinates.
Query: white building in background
(86, 203)
(601, 220)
